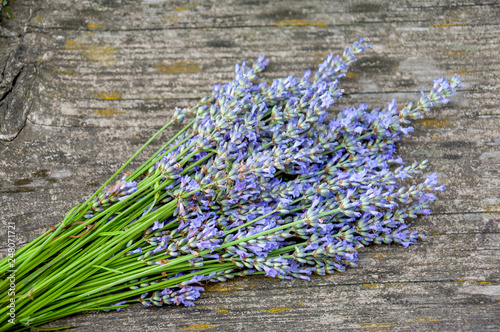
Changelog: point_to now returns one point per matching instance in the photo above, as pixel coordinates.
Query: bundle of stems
(258, 182)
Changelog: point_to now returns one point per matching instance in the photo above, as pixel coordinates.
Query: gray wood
(84, 84)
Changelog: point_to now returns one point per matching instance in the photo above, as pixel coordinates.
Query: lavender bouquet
(258, 182)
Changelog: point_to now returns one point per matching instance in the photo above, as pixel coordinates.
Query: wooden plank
(109, 73)
(164, 14)
(392, 289)
(16, 74)
(55, 159)
(333, 308)
(156, 72)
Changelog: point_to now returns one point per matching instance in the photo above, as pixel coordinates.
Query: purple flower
(261, 165)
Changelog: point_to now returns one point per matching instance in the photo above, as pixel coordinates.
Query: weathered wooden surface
(85, 83)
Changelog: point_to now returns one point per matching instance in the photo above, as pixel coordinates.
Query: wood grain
(86, 83)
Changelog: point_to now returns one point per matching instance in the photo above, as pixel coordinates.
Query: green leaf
(111, 233)
(107, 268)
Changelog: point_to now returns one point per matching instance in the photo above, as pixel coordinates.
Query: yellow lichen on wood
(461, 72)
(222, 311)
(100, 53)
(177, 67)
(278, 310)
(376, 326)
(374, 285)
(454, 53)
(73, 45)
(448, 25)
(68, 72)
(107, 112)
(423, 320)
(434, 123)
(109, 95)
(198, 327)
(179, 9)
(379, 256)
(95, 26)
(250, 35)
(298, 23)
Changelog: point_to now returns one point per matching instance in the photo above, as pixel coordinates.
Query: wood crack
(243, 26)
(17, 77)
(13, 83)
